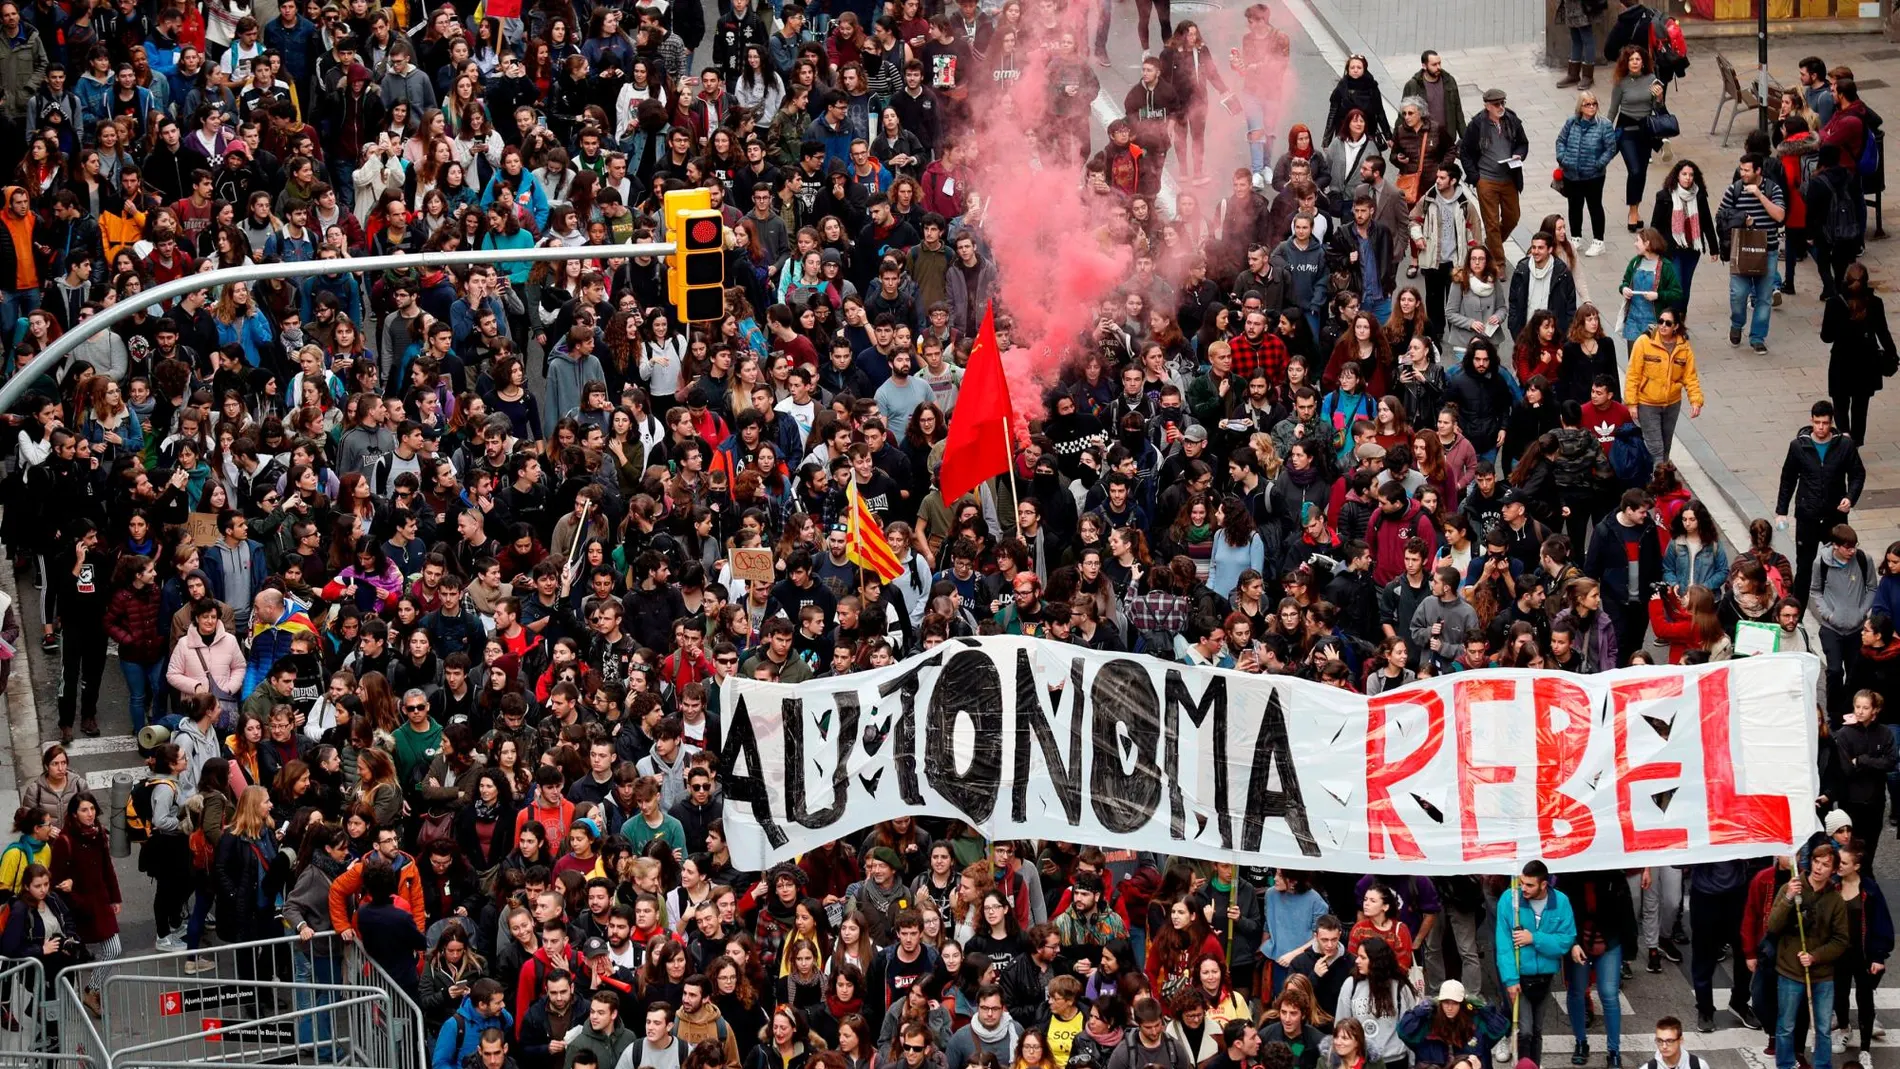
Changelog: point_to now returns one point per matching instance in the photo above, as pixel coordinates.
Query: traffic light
(700, 254)
(696, 272)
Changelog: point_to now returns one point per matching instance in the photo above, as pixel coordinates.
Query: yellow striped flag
(864, 541)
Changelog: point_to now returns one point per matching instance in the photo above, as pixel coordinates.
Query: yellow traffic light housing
(696, 272)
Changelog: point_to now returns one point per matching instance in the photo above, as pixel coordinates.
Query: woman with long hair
(1593, 638)
(1376, 996)
(1538, 350)
(1182, 941)
(1650, 284)
(1694, 556)
(1861, 349)
(242, 323)
(1475, 305)
(83, 872)
(1681, 214)
(250, 872)
(1635, 96)
(1364, 343)
(1455, 1026)
(1689, 622)
(1189, 64)
(1379, 918)
(109, 423)
(1589, 351)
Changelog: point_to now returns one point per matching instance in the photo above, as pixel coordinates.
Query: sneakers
(1614, 1059)
(1735, 335)
(1502, 1052)
(1628, 972)
(1595, 249)
(1705, 1021)
(49, 643)
(171, 944)
(1880, 1030)
(1839, 1042)
(1865, 1059)
(199, 964)
(1749, 1020)
(1670, 951)
(1655, 960)
(1758, 346)
(1774, 299)
(1581, 1056)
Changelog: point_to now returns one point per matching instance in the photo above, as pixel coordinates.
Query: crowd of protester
(429, 571)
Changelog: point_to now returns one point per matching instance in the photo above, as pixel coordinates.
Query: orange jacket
(345, 889)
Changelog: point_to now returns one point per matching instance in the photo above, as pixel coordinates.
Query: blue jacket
(527, 183)
(1887, 596)
(461, 1034)
(253, 333)
(1876, 940)
(1552, 936)
(213, 565)
(1290, 920)
(1705, 566)
(294, 43)
(1585, 147)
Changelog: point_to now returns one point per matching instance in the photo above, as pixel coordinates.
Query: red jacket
(1761, 900)
(534, 973)
(1388, 537)
(132, 622)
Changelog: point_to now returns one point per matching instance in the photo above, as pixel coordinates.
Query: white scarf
(1479, 286)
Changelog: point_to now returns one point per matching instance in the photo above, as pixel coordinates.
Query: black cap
(595, 947)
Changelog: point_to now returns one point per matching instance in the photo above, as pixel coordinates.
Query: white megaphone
(152, 736)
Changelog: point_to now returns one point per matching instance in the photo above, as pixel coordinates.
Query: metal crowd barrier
(272, 1002)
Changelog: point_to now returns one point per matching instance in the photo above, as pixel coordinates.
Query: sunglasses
(916, 1048)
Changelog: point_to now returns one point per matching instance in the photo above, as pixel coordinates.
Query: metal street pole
(1761, 58)
(49, 358)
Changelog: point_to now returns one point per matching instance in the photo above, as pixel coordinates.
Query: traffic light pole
(50, 358)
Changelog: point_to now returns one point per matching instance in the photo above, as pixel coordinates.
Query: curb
(20, 746)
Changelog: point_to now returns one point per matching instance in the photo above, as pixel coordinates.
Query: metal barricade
(29, 1019)
(278, 1001)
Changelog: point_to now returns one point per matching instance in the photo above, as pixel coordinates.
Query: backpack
(139, 825)
(1846, 222)
(1668, 48)
(1629, 456)
(1869, 161)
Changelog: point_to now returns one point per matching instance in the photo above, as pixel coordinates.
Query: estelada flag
(864, 541)
(978, 446)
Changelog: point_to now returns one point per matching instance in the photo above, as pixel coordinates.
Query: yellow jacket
(1659, 374)
(118, 231)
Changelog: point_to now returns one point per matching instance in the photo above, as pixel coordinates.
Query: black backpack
(1846, 222)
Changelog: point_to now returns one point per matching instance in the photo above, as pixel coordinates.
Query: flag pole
(1009, 450)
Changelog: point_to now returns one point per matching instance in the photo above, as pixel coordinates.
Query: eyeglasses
(700, 788)
(916, 1048)
(415, 708)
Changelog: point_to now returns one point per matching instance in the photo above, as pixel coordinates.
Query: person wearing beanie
(880, 895)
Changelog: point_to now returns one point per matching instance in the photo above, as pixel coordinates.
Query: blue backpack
(1629, 456)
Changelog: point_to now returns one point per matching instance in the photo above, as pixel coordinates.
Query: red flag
(979, 447)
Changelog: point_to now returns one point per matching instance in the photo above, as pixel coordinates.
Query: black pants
(1809, 533)
(1534, 992)
(82, 660)
(1850, 414)
(1831, 261)
(1715, 920)
(1437, 286)
(167, 858)
(1794, 248)
(1161, 10)
(1632, 626)
(1853, 973)
(1869, 819)
(1584, 193)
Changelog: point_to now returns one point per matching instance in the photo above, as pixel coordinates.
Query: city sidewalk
(1755, 402)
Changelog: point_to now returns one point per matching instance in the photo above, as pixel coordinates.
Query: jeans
(315, 972)
(16, 305)
(1632, 143)
(1790, 996)
(1658, 423)
(1534, 992)
(1259, 141)
(1381, 309)
(144, 683)
(1498, 207)
(1761, 290)
(1104, 15)
(1583, 49)
(1609, 970)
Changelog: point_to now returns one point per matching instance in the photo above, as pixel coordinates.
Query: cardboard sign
(753, 565)
(204, 528)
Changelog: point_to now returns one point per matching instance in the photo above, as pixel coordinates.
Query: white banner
(1472, 772)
